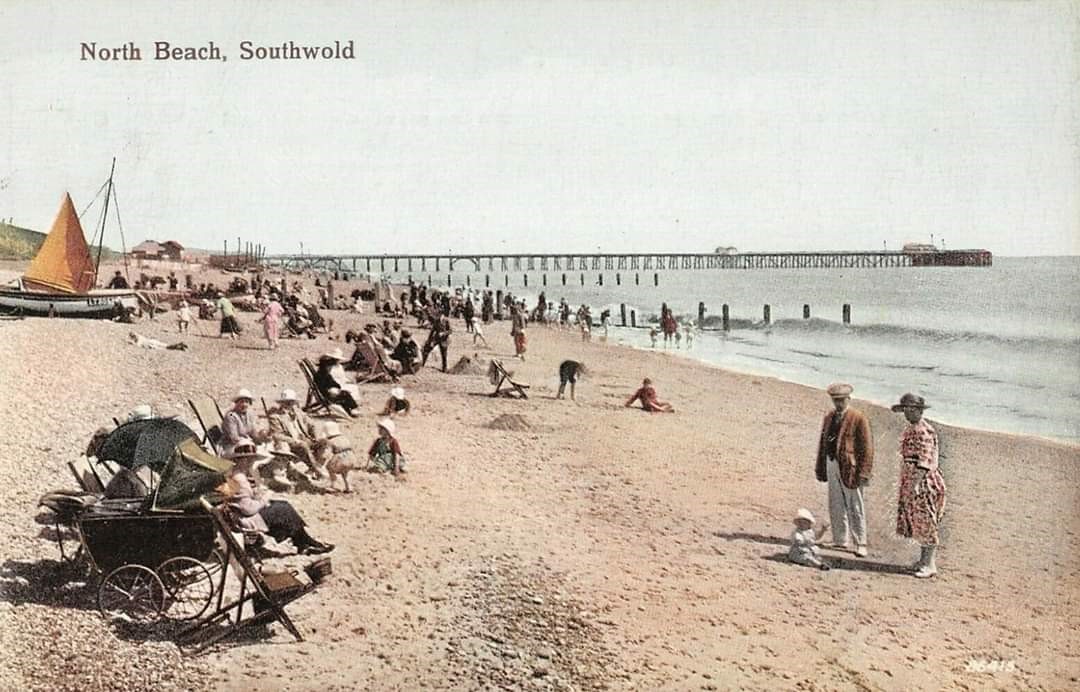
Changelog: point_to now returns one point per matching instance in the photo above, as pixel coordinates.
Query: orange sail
(63, 262)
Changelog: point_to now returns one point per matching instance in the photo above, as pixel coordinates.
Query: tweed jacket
(854, 449)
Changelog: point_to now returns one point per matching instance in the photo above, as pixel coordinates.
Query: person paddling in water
(647, 394)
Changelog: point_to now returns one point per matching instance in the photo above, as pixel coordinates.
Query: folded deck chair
(208, 413)
(267, 594)
(317, 403)
(381, 369)
(499, 377)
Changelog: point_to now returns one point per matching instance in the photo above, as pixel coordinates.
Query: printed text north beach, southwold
(163, 50)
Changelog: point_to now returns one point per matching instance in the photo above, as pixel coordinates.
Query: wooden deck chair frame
(211, 420)
(272, 594)
(380, 369)
(86, 476)
(504, 378)
(317, 403)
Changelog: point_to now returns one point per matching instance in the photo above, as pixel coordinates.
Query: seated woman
(330, 378)
(649, 402)
(407, 352)
(256, 512)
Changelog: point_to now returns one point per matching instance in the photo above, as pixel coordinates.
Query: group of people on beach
(845, 462)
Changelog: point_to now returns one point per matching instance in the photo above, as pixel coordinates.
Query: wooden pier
(600, 262)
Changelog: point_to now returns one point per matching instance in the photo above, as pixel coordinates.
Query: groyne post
(449, 281)
(499, 303)
(330, 294)
(622, 313)
(806, 312)
(847, 313)
(582, 279)
(724, 317)
(656, 279)
(543, 278)
(525, 279)
(600, 281)
(701, 313)
(633, 318)
(618, 280)
(766, 315)
(487, 280)
(637, 279)
(564, 279)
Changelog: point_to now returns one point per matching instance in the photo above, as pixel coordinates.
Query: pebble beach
(552, 544)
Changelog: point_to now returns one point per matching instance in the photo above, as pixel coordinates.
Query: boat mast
(104, 215)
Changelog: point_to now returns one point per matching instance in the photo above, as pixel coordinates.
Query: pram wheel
(132, 591)
(189, 587)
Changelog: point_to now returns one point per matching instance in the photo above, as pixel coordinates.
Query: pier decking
(632, 262)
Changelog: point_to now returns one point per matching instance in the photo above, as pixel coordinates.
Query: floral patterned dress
(922, 488)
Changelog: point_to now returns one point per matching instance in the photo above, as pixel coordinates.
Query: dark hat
(910, 400)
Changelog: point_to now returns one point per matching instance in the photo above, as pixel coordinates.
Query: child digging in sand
(804, 538)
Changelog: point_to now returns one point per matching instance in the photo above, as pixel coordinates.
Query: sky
(555, 127)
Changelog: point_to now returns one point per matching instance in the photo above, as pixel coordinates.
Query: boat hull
(97, 304)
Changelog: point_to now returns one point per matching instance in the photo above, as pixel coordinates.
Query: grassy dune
(22, 243)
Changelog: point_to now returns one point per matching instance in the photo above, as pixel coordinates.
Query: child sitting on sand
(804, 538)
(646, 393)
(652, 335)
(397, 404)
(385, 453)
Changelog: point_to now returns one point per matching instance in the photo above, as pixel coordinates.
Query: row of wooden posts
(725, 315)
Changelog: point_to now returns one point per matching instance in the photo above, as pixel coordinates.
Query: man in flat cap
(845, 460)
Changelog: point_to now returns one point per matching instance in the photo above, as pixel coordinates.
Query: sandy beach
(547, 544)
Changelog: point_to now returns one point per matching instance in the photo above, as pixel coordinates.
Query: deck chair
(499, 377)
(208, 413)
(380, 369)
(267, 594)
(317, 403)
(86, 476)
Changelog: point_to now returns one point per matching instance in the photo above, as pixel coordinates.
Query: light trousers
(846, 511)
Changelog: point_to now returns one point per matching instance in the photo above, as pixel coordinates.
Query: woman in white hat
(239, 423)
(385, 452)
(397, 404)
(332, 381)
(922, 488)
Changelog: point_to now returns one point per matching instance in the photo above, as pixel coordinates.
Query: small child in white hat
(183, 317)
(342, 460)
(804, 538)
(385, 453)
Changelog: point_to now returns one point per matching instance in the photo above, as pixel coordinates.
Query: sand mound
(511, 421)
(467, 366)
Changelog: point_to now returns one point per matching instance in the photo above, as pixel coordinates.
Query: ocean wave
(817, 325)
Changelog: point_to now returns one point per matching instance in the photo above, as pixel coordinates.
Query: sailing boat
(60, 279)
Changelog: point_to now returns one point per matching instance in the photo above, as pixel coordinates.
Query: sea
(995, 348)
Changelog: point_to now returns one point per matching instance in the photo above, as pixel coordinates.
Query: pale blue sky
(557, 126)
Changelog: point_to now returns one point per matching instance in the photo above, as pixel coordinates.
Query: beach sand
(547, 544)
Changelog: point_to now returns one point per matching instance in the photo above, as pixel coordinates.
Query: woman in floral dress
(922, 488)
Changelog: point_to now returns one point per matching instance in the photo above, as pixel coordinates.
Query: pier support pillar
(725, 318)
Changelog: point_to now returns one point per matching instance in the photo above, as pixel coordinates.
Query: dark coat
(854, 449)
